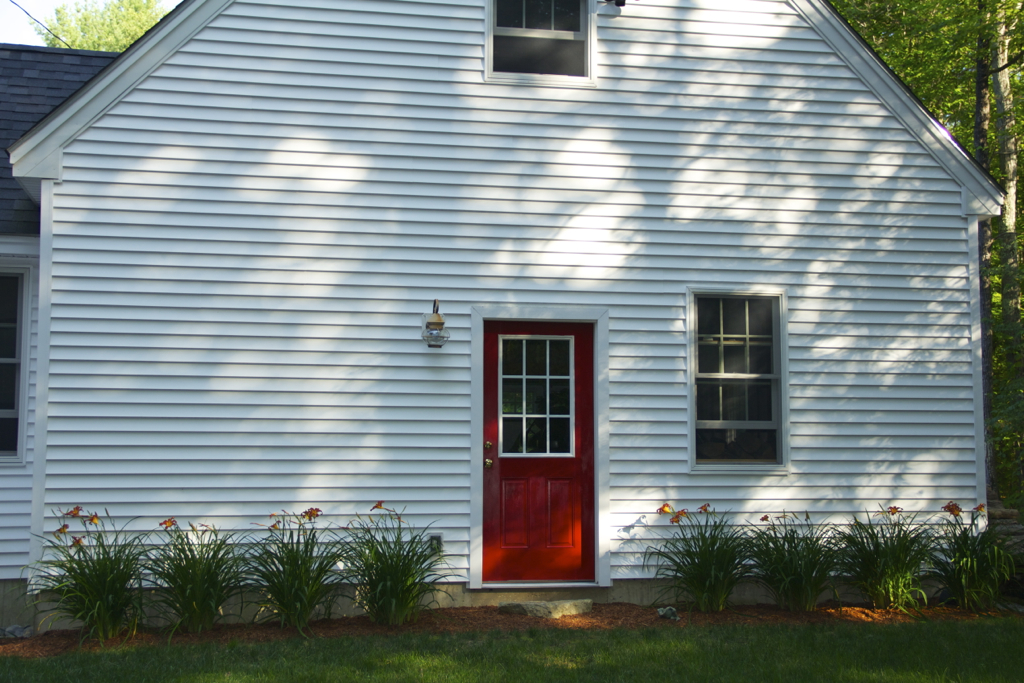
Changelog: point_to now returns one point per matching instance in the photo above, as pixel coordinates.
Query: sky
(16, 28)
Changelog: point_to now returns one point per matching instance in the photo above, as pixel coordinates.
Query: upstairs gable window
(10, 367)
(544, 37)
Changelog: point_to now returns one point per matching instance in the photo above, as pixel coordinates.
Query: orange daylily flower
(705, 507)
(312, 513)
(980, 508)
(665, 509)
(378, 506)
(952, 508)
(169, 522)
(678, 517)
(61, 530)
(76, 541)
(94, 519)
(276, 525)
(74, 512)
(765, 518)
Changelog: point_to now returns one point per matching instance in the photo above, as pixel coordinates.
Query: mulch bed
(483, 619)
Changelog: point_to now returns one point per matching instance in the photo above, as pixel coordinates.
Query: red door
(539, 434)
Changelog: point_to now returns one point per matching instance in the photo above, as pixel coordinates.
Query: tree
(963, 59)
(111, 27)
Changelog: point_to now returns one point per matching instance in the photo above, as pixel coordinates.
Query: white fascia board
(984, 198)
(38, 153)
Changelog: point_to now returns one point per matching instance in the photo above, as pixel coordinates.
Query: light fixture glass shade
(433, 330)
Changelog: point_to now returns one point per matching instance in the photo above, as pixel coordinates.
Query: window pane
(538, 14)
(522, 55)
(560, 441)
(510, 13)
(735, 357)
(511, 396)
(536, 397)
(760, 316)
(536, 435)
(9, 300)
(8, 341)
(759, 401)
(536, 357)
(709, 405)
(734, 316)
(559, 357)
(734, 401)
(511, 356)
(737, 444)
(8, 385)
(761, 359)
(567, 15)
(512, 435)
(9, 434)
(559, 389)
(708, 321)
(707, 358)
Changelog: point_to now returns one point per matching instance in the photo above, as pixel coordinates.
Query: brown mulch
(482, 619)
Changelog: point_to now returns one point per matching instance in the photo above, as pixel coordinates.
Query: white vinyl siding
(244, 246)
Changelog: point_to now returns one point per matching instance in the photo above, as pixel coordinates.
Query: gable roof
(38, 154)
(33, 82)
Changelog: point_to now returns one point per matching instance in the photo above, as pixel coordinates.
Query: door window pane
(543, 396)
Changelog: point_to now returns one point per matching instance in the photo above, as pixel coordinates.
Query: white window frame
(589, 31)
(24, 338)
(781, 358)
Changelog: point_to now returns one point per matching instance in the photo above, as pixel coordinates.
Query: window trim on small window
(781, 390)
(23, 337)
(588, 31)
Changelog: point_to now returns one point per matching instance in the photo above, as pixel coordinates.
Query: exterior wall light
(433, 328)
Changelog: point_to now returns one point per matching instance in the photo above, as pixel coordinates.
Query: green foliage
(295, 569)
(394, 566)
(196, 572)
(885, 558)
(968, 561)
(95, 577)
(110, 27)
(794, 561)
(705, 558)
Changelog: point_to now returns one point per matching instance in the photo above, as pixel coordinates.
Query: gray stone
(16, 632)
(547, 610)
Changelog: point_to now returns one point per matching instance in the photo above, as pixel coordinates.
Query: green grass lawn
(987, 650)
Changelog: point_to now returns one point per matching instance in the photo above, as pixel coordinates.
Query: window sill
(541, 80)
(771, 470)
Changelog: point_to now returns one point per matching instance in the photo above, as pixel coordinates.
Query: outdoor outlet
(437, 543)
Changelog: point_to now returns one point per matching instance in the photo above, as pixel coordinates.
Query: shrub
(393, 566)
(968, 561)
(793, 561)
(884, 558)
(295, 568)
(196, 572)
(704, 558)
(96, 576)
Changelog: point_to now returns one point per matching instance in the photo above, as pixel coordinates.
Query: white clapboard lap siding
(245, 242)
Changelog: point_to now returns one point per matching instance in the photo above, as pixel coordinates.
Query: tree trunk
(982, 115)
(1008, 149)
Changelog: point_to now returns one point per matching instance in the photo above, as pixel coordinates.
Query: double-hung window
(737, 383)
(539, 37)
(11, 366)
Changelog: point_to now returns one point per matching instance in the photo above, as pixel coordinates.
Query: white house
(694, 251)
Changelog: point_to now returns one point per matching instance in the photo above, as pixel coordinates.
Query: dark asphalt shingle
(33, 82)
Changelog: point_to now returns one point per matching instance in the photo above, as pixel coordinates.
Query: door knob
(488, 463)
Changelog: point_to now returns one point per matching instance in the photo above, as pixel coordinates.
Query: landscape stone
(547, 610)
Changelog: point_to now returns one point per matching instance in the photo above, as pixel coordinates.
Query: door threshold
(540, 584)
